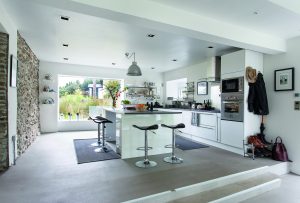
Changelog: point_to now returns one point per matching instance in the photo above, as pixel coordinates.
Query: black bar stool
(103, 147)
(146, 163)
(173, 159)
(97, 120)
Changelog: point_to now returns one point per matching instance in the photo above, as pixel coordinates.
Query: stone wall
(3, 101)
(28, 116)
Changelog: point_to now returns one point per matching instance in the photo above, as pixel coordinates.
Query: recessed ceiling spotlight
(66, 45)
(113, 64)
(255, 12)
(66, 59)
(210, 47)
(151, 35)
(65, 18)
(174, 59)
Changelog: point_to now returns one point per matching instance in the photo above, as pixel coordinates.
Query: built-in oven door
(232, 110)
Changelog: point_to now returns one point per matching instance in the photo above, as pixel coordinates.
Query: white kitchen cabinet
(207, 126)
(207, 119)
(233, 62)
(232, 133)
(206, 132)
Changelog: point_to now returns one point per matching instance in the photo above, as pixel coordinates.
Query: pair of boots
(260, 145)
(263, 139)
(253, 139)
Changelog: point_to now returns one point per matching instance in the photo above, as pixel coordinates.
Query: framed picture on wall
(284, 79)
(202, 88)
(13, 70)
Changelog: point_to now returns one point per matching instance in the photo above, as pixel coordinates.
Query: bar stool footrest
(143, 148)
(169, 146)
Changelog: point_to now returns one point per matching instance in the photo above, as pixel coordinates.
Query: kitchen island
(128, 138)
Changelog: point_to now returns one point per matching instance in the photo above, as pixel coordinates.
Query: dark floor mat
(187, 144)
(85, 152)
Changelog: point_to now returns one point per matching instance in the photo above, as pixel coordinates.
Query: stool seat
(180, 125)
(151, 127)
(106, 121)
(100, 118)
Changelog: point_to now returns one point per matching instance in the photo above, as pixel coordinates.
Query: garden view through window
(81, 97)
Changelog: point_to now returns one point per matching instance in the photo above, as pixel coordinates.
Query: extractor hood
(213, 70)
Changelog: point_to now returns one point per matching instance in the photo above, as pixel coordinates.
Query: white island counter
(128, 138)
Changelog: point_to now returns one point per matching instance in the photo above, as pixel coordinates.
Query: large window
(81, 97)
(175, 88)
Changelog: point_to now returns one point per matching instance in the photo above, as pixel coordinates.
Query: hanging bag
(279, 152)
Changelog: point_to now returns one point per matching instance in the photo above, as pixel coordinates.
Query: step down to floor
(232, 188)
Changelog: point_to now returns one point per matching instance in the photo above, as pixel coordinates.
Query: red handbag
(279, 152)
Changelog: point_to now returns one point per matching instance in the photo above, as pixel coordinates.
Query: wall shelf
(189, 92)
(138, 91)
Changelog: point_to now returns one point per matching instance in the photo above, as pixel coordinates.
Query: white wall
(193, 73)
(283, 120)
(9, 27)
(56, 69)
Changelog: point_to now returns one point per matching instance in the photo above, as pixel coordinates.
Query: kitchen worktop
(195, 110)
(156, 111)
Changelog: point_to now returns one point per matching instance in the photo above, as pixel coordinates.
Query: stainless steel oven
(232, 107)
(233, 85)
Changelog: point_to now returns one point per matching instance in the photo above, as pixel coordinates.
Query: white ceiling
(271, 18)
(97, 41)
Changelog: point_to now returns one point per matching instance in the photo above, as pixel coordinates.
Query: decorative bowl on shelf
(140, 107)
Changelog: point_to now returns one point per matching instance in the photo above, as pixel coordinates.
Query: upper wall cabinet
(233, 62)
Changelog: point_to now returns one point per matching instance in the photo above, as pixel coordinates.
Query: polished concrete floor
(48, 172)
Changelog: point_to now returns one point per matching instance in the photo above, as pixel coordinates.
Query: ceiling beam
(291, 5)
(152, 15)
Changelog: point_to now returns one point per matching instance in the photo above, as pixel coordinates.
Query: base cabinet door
(206, 133)
(232, 133)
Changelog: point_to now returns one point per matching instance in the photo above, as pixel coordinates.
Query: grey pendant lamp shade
(134, 69)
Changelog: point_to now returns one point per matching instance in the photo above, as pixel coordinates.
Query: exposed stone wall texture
(4, 44)
(28, 116)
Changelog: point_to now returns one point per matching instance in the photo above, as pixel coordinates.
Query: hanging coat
(257, 98)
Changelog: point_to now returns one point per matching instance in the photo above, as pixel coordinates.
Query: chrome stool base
(96, 144)
(173, 160)
(145, 164)
(101, 149)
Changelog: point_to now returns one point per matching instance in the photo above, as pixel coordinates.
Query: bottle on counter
(151, 106)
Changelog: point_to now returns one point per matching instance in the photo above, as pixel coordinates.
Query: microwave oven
(230, 85)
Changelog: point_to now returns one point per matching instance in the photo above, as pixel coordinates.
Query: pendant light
(134, 69)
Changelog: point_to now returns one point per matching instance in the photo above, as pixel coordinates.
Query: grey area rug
(85, 152)
(187, 144)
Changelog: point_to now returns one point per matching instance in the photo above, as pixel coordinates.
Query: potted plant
(112, 88)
